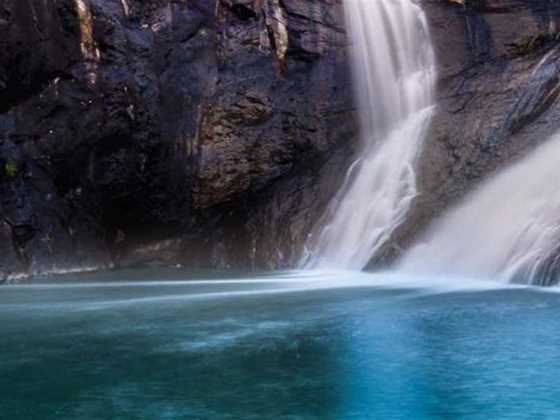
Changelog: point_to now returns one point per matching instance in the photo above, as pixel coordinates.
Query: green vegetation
(10, 169)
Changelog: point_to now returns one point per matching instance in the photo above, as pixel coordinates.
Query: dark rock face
(141, 130)
(499, 68)
(214, 132)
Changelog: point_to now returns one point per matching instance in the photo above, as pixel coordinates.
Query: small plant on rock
(10, 169)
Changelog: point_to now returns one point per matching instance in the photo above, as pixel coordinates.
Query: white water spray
(508, 229)
(394, 74)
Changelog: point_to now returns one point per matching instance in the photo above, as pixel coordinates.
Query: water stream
(394, 74)
(507, 230)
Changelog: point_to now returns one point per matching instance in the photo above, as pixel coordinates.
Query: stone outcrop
(214, 132)
(131, 128)
(498, 72)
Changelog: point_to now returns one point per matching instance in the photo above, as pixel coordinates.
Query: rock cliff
(136, 130)
(498, 69)
(214, 132)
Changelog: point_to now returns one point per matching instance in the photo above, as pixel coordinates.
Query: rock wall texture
(214, 132)
(138, 130)
(499, 81)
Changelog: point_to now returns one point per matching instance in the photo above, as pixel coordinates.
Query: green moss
(10, 169)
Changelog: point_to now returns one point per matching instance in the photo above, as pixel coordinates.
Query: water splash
(394, 74)
(508, 229)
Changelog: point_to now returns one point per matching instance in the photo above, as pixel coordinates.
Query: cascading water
(508, 229)
(394, 66)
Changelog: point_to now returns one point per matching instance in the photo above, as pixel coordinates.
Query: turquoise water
(283, 346)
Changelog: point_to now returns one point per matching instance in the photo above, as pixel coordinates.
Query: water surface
(284, 345)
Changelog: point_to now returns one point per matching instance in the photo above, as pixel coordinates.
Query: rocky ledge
(139, 130)
(497, 98)
(214, 132)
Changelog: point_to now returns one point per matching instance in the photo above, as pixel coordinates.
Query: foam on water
(101, 296)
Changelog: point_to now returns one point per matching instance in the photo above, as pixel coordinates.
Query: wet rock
(214, 133)
(494, 104)
(137, 122)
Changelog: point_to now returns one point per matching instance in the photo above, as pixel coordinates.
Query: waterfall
(394, 76)
(508, 229)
